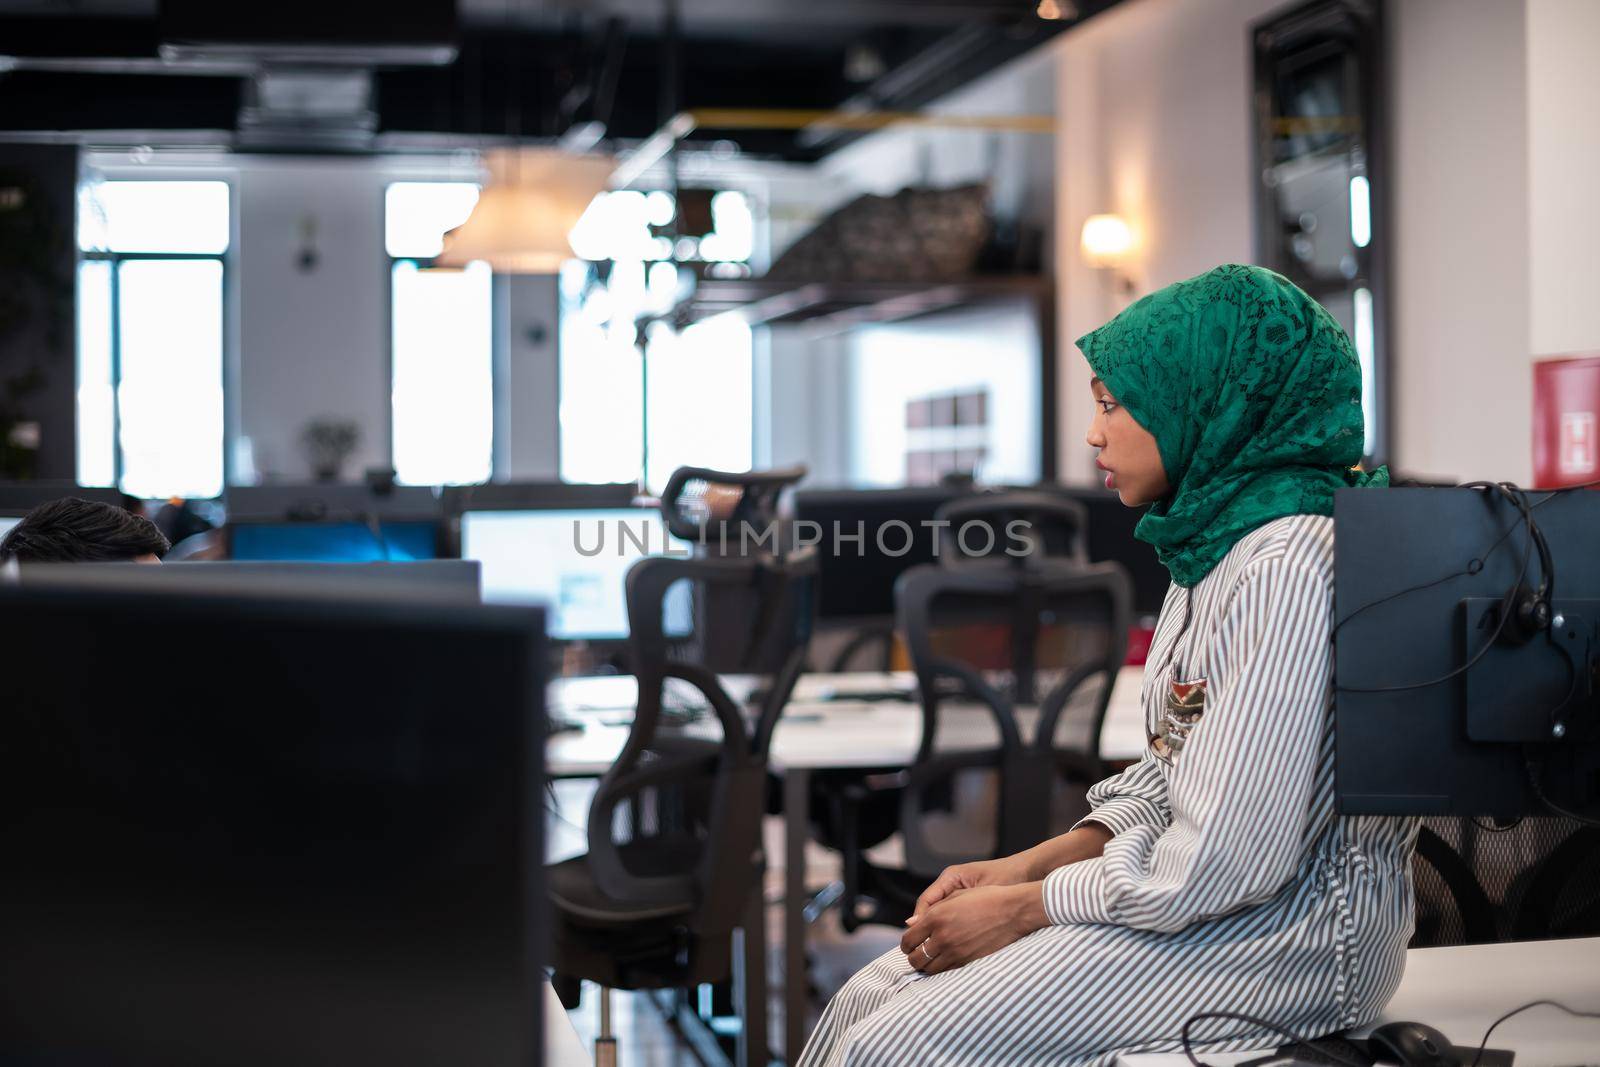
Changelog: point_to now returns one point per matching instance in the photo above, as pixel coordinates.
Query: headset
(1524, 612)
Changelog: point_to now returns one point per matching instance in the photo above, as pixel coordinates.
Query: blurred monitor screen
(573, 561)
(334, 542)
(328, 856)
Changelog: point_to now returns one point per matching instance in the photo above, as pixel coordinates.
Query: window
(441, 341)
(632, 405)
(150, 330)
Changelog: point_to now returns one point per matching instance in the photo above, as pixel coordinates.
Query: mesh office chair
(1537, 879)
(993, 637)
(1052, 527)
(674, 861)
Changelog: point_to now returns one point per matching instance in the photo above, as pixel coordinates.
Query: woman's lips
(1111, 480)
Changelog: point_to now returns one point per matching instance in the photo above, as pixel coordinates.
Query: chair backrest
(1025, 527)
(1536, 879)
(711, 508)
(677, 817)
(986, 641)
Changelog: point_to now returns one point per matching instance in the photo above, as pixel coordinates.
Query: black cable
(1536, 542)
(1527, 556)
(1536, 783)
(1515, 1011)
(1474, 566)
(1188, 1044)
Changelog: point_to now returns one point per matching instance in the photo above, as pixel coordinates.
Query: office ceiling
(535, 69)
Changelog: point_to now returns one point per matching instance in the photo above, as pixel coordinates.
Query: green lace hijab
(1253, 393)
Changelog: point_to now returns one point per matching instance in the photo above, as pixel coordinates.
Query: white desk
(562, 1046)
(815, 733)
(1459, 991)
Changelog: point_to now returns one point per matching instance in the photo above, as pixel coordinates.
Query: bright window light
(417, 214)
(443, 375)
(97, 444)
(1365, 353)
(700, 398)
(602, 398)
(170, 395)
(734, 239)
(1360, 211)
(699, 388)
(141, 216)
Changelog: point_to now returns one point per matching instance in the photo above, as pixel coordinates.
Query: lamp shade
(521, 220)
(1107, 240)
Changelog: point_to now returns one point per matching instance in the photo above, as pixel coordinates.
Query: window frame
(227, 342)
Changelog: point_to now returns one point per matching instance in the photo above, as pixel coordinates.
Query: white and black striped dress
(1230, 884)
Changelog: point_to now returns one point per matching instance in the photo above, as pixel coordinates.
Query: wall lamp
(1107, 243)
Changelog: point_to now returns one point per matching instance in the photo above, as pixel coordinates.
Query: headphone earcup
(1526, 615)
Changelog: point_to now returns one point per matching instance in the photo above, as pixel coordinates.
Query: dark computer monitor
(574, 561)
(334, 541)
(19, 498)
(1111, 540)
(337, 502)
(448, 580)
(855, 580)
(1420, 583)
(263, 831)
(532, 496)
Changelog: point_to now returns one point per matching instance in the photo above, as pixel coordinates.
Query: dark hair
(71, 530)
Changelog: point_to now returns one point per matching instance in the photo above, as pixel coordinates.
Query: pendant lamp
(533, 199)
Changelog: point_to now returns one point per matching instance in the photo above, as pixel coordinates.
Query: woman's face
(1128, 452)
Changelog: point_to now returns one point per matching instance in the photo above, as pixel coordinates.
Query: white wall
(1459, 340)
(1563, 38)
(527, 399)
(1154, 123)
(312, 343)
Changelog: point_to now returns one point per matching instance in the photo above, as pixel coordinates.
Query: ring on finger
(926, 955)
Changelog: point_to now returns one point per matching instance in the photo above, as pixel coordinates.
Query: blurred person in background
(71, 530)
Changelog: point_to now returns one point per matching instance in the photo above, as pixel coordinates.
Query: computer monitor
(442, 580)
(1434, 714)
(1111, 540)
(333, 542)
(318, 842)
(574, 561)
(319, 502)
(855, 580)
(19, 498)
(533, 496)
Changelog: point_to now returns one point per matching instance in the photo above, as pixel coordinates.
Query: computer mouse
(1411, 1045)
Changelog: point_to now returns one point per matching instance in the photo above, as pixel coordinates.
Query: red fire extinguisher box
(1566, 421)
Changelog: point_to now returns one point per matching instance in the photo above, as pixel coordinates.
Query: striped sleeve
(1136, 797)
(1241, 791)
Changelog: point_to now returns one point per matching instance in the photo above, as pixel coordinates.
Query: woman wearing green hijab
(1213, 875)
